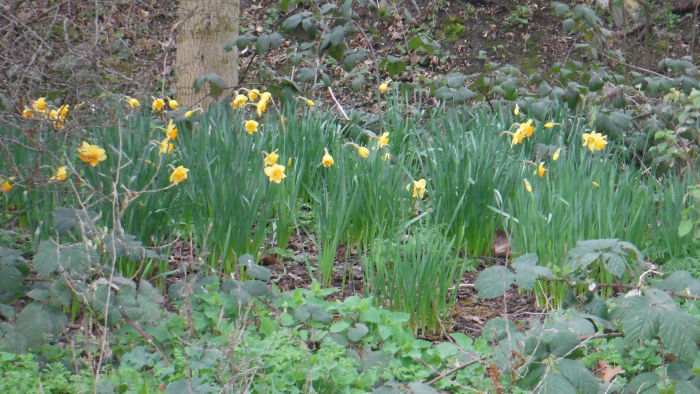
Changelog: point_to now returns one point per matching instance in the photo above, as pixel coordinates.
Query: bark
(205, 26)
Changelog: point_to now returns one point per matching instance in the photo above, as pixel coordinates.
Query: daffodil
(383, 87)
(39, 105)
(7, 186)
(165, 146)
(60, 174)
(307, 101)
(528, 187)
(178, 175)
(382, 140)
(270, 158)
(327, 159)
(594, 183)
(362, 151)
(419, 188)
(527, 128)
(261, 105)
(517, 137)
(549, 125)
(275, 173)
(91, 154)
(63, 111)
(172, 103)
(253, 94)
(53, 114)
(387, 156)
(157, 104)
(516, 110)
(555, 156)
(238, 101)
(27, 113)
(58, 125)
(189, 114)
(251, 126)
(171, 130)
(133, 103)
(594, 141)
(541, 170)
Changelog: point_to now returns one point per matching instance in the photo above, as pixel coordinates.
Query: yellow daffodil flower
(172, 103)
(178, 175)
(528, 187)
(541, 170)
(327, 159)
(516, 110)
(517, 137)
(362, 151)
(549, 125)
(307, 101)
(157, 104)
(261, 105)
(63, 111)
(91, 154)
(58, 125)
(251, 126)
(133, 103)
(7, 186)
(238, 101)
(171, 130)
(594, 183)
(419, 188)
(163, 146)
(555, 157)
(383, 87)
(60, 174)
(253, 94)
(594, 141)
(189, 114)
(270, 158)
(39, 105)
(387, 156)
(382, 140)
(27, 113)
(527, 128)
(53, 114)
(275, 173)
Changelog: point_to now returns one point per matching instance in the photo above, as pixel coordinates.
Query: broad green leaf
(643, 383)
(255, 287)
(258, 272)
(681, 281)
(455, 79)
(305, 74)
(292, 22)
(527, 271)
(262, 44)
(680, 333)
(46, 258)
(339, 326)
(357, 332)
(33, 322)
(554, 383)
(559, 9)
(337, 36)
(494, 281)
(685, 227)
(638, 318)
(68, 219)
(275, 39)
(446, 350)
(246, 260)
(580, 377)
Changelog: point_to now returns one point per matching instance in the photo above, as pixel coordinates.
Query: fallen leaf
(606, 373)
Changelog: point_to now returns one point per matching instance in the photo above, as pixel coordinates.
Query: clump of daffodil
(238, 101)
(6, 185)
(157, 104)
(178, 175)
(594, 141)
(307, 101)
(251, 126)
(92, 154)
(383, 87)
(172, 104)
(528, 187)
(275, 173)
(165, 146)
(327, 159)
(270, 158)
(418, 188)
(524, 129)
(60, 174)
(132, 102)
(261, 105)
(540, 170)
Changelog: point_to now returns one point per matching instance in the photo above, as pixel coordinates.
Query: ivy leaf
(579, 376)
(494, 281)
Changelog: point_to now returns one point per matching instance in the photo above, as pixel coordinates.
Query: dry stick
(342, 111)
(452, 370)
(632, 66)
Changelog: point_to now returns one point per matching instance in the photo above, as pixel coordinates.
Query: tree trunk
(205, 26)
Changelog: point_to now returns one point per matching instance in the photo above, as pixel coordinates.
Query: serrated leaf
(33, 322)
(258, 272)
(679, 332)
(561, 342)
(68, 219)
(46, 258)
(275, 39)
(559, 9)
(337, 36)
(255, 287)
(527, 271)
(246, 260)
(446, 349)
(301, 314)
(292, 22)
(339, 326)
(455, 79)
(262, 44)
(305, 74)
(580, 377)
(357, 332)
(554, 383)
(643, 383)
(638, 319)
(681, 281)
(494, 281)
(321, 316)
